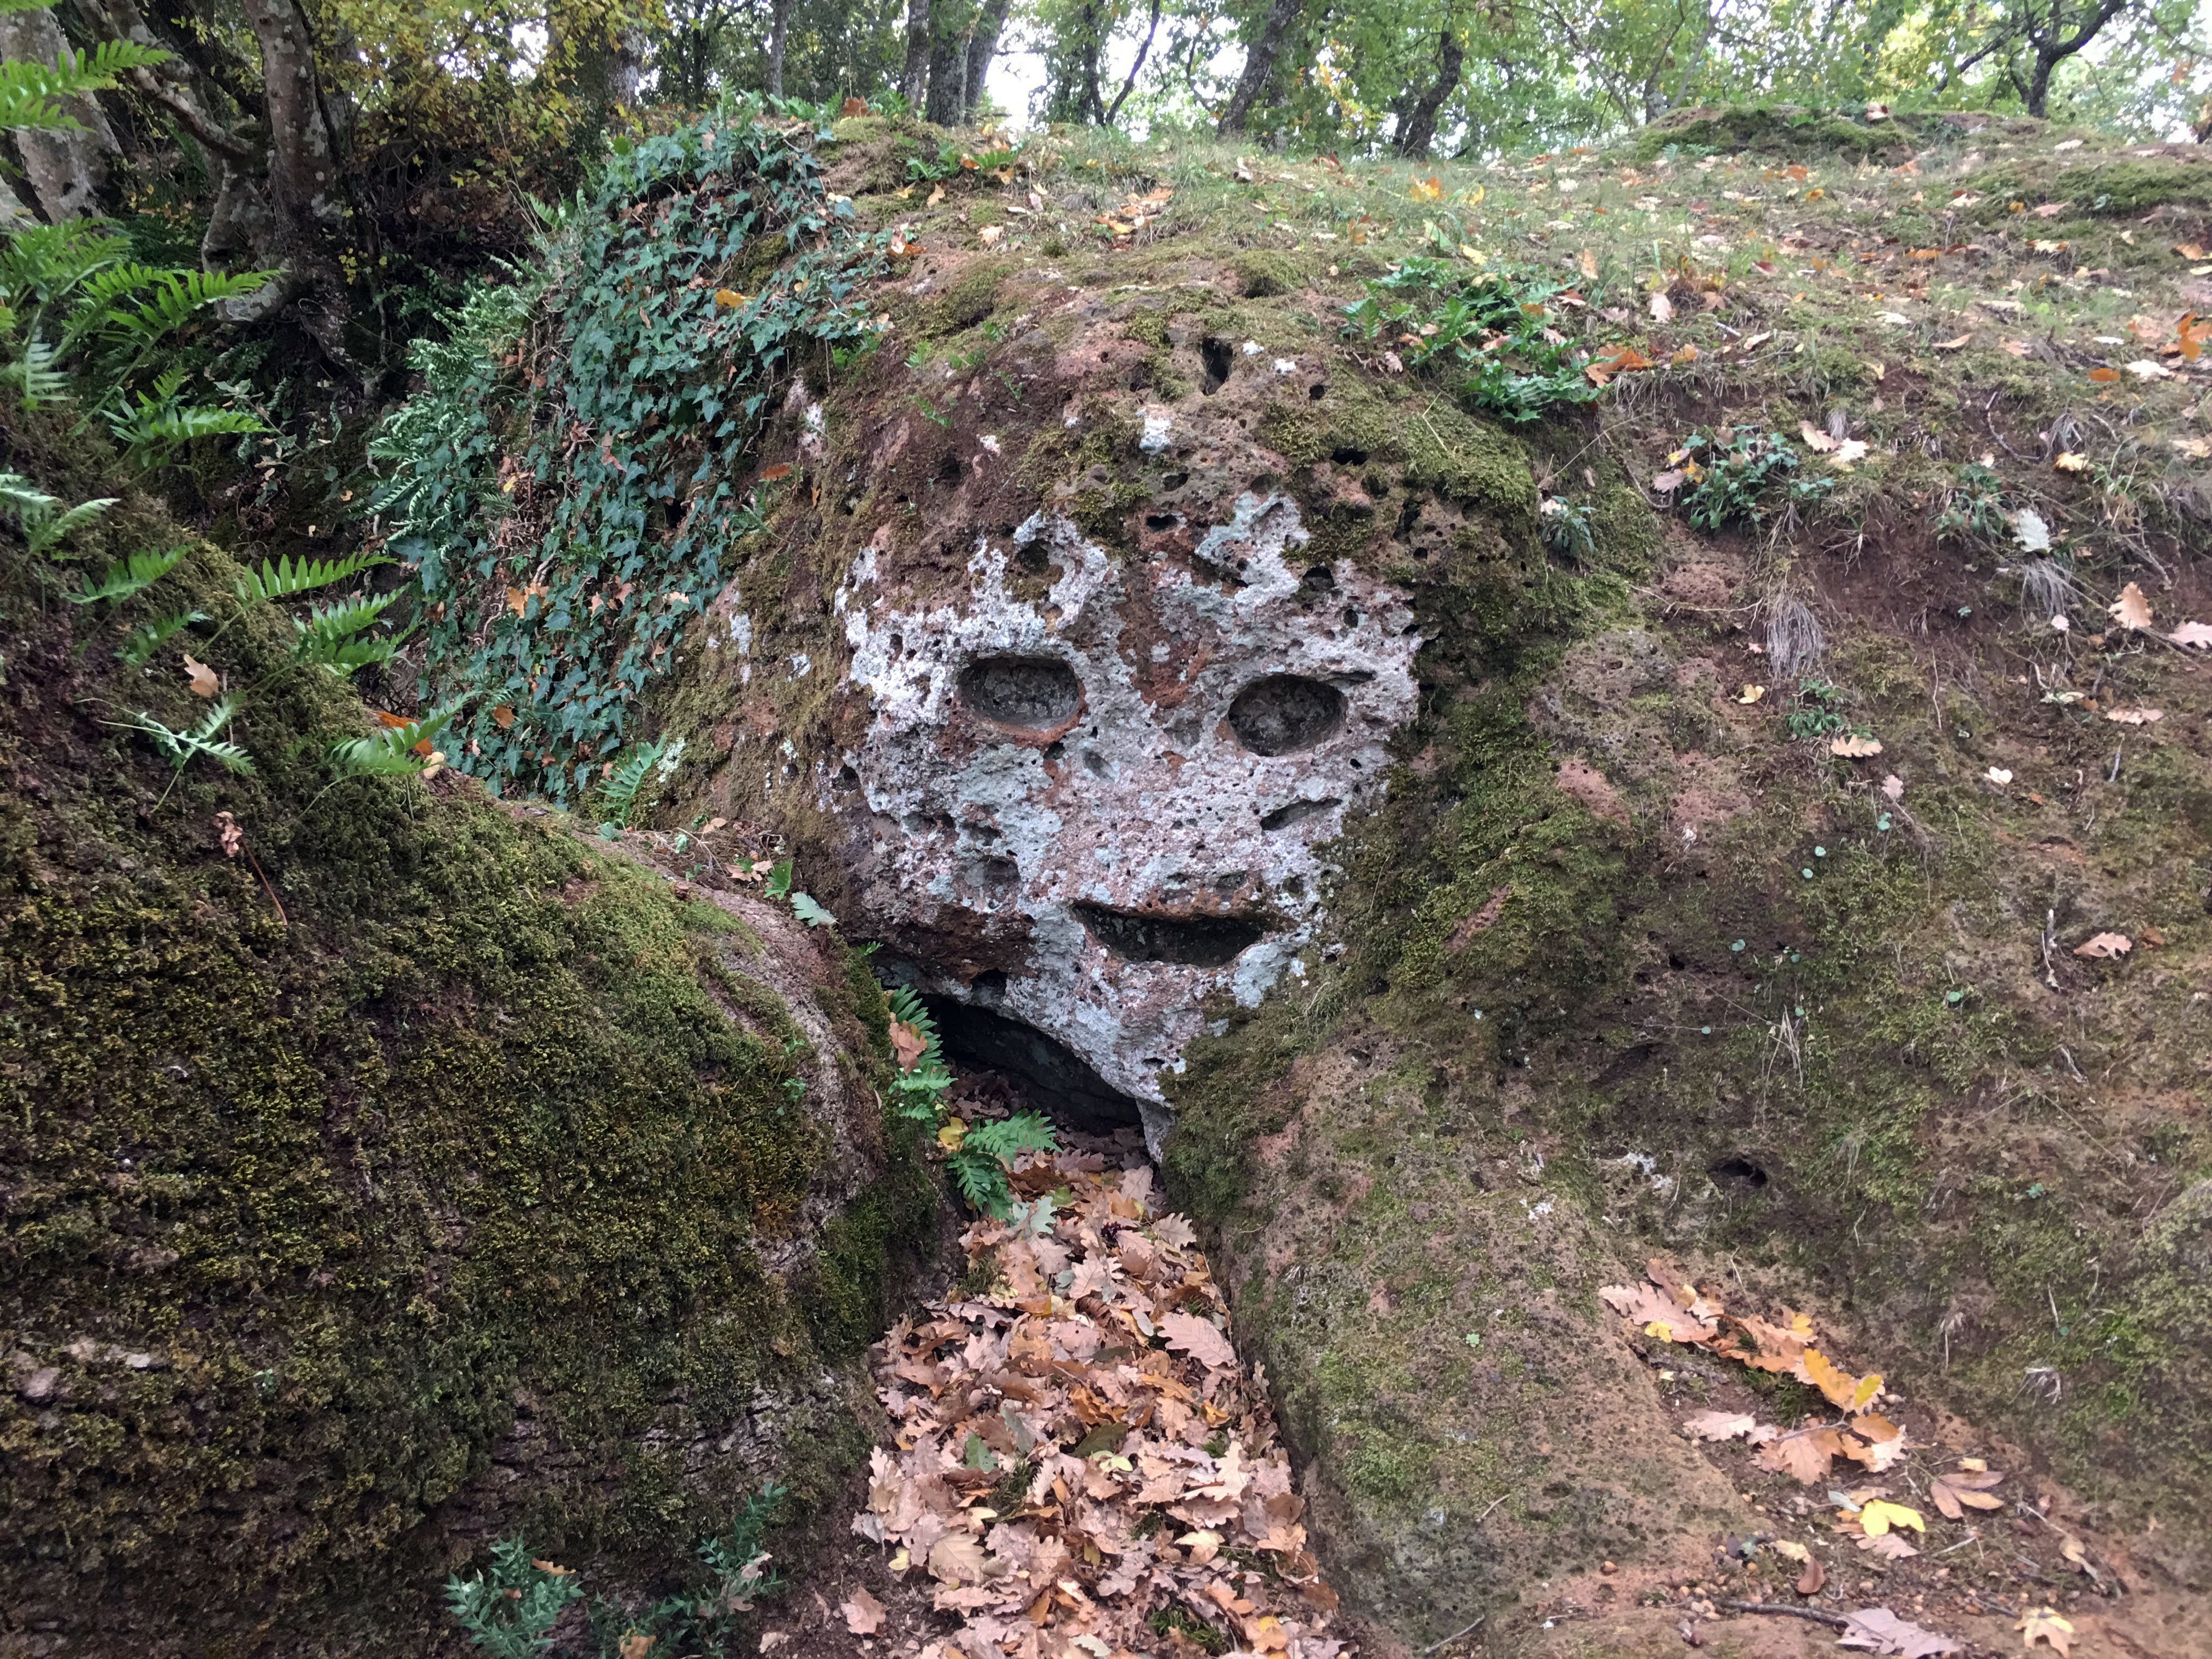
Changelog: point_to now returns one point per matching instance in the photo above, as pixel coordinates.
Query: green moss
(970, 300)
(1791, 128)
(446, 1194)
(1261, 272)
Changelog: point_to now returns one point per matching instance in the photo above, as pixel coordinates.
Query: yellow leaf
(1586, 262)
(951, 1134)
(1752, 693)
(1475, 255)
(1879, 1517)
(202, 678)
(2068, 461)
(728, 298)
(1430, 188)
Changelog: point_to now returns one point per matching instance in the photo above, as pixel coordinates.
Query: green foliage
(153, 425)
(43, 527)
(1731, 471)
(286, 577)
(629, 446)
(510, 1611)
(391, 752)
(32, 94)
(329, 635)
(149, 637)
(1974, 505)
(181, 748)
(1489, 335)
(621, 797)
(131, 575)
(1817, 714)
(980, 1164)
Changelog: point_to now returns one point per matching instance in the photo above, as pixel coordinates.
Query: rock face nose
(1083, 807)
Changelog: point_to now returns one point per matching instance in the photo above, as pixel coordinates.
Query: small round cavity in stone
(1285, 713)
(1034, 693)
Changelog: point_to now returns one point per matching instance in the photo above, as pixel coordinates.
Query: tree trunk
(68, 170)
(1137, 68)
(779, 28)
(948, 80)
(2035, 96)
(302, 169)
(982, 48)
(914, 77)
(1259, 66)
(1419, 131)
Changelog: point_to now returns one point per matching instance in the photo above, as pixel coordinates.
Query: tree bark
(914, 78)
(948, 80)
(1259, 66)
(982, 48)
(302, 166)
(68, 169)
(1135, 69)
(1420, 129)
(779, 29)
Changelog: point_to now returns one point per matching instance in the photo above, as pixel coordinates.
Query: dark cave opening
(1051, 1075)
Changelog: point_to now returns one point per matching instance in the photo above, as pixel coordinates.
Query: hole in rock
(1193, 941)
(1316, 391)
(1348, 457)
(1161, 520)
(1031, 693)
(1175, 481)
(1317, 584)
(992, 874)
(1057, 1081)
(1282, 714)
(1738, 1172)
(1296, 811)
(1220, 355)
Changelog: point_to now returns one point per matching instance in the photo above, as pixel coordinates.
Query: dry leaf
(989, 234)
(503, 716)
(1662, 308)
(1655, 1313)
(1844, 1391)
(2045, 1625)
(2134, 716)
(2130, 608)
(728, 299)
(1795, 1552)
(1853, 746)
(201, 676)
(1815, 438)
(1803, 1457)
(1877, 1630)
(1887, 1547)
(2144, 369)
(908, 1045)
(1430, 188)
(1879, 1515)
(956, 1559)
(2068, 461)
(2192, 633)
(1893, 787)
(1720, 1426)
(2104, 376)
(1243, 171)
(2105, 946)
(1586, 262)
(1952, 345)
(863, 1614)
(2000, 775)
(777, 473)
(635, 1645)
(1199, 1337)
(1751, 694)
(1810, 1581)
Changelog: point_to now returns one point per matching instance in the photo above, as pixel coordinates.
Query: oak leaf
(2069, 461)
(1956, 1491)
(2134, 716)
(1720, 1426)
(1850, 745)
(1655, 1313)
(1199, 1337)
(2131, 610)
(201, 677)
(2105, 946)
(956, 1559)
(1844, 1391)
(2045, 1625)
(1803, 1457)
(1887, 1547)
(2192, 633)
(1877, 1630)
(1810, 1581)
(908, 1045)
(863, 1614)
(1879, 1515)
(1662, 308)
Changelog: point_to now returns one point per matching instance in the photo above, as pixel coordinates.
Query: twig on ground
(1454, 1636)
(1815, 1614)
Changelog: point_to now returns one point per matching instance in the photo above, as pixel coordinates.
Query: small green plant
(1730, 471)
(131, 575)
(45, 528)
(510, 1611)
(979, 1157)
(1490, 334)
(1817, 714)
(1567, 529)
(1170, 1620)
(180, 749)
(1974, 505)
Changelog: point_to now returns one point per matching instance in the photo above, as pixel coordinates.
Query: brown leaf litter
(1082, 1467)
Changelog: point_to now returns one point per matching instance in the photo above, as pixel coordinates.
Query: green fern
(327, 634)
(390, 753)
(34, 372)
(132, 575)
(34, 510)
(42, 263)
(180, 748)
(138, 650)
(176, 295)
(283, 578)
(982, 1166)
(32, 93)
(619, 796)
(157, 425)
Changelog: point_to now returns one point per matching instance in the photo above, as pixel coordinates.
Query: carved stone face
(1090, 810)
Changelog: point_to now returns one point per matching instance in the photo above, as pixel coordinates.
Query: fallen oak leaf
(1815, 1576)
(2045, 1625)
(2069, 461)
(201, 678)
(1803, 1457)
(2196, 634)
(1655, 1313)
(1877, 1630)
(1887, 1547)
(2105, 946)
(1720, 1426)
(1844, 1391)
(2134, 716)
(908, 1045)
(1199, 1337)
(863, 1614)
(1854, 747)
(2131, 610)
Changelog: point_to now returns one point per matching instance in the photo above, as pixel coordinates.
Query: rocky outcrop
(411, 1177)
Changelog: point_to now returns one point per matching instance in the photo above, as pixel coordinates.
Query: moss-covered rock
(418, 1176)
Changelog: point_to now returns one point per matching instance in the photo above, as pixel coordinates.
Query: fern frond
(131, 575)
(153, 427)
(389, 753)
(327, 634)
(176, 295)
(619, 793)
(34, 371)
(179, 748)
(28, 500)
(48, 261)
(138, 650)
(44, 534)
(283, 578)
(1024, 1132)
(103, 289)
(32, 93)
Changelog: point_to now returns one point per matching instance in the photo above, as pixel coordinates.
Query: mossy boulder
(417, 1176)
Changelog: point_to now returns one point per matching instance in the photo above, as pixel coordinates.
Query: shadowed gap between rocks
(1051, 1075)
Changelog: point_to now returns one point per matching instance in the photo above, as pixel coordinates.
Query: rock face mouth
(1038, 694)
(1197, 941)
(1056, 1079)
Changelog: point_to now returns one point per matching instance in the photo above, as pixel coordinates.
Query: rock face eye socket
(1282, 714)
(1030, 694)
